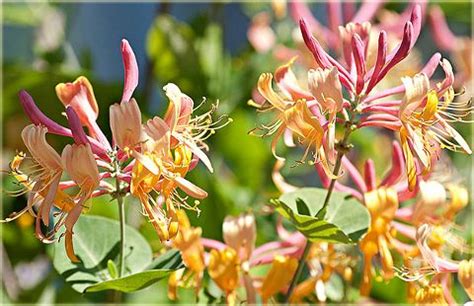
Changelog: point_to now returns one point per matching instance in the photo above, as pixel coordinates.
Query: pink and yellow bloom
(148, 160)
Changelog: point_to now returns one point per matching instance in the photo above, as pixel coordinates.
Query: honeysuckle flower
(354, 75)
(81, 166)
(325, 86)
(43, 179)
(438, 267)
(340, 14)
(436, 203)
(80, 96)
(240, 234)
(188, 241)
(191, 131)
(76, 160)
(169, 175)
(280, 275)
(230, 264)
(126, 124)
(224, 271)
(425, 115)
(382, 204)
(297, 113)
(422, 117)
(147, 160)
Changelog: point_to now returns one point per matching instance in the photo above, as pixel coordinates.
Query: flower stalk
(121, 209)
(342, 148)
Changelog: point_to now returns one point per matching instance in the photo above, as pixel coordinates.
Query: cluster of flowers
(412, 208)
(229, 264)
(148, 160)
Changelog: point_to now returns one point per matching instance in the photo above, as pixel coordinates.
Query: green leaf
(302, 208)
(170, 47)
(96, 241)
(345, 219)
(23, 14)
(160, 268)
(132, 282)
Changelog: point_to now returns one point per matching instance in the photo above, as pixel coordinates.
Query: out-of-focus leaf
(345, 220)
(22, 14)
(170, 46)
(217, 66)
(457, 11)
(393, 291)
(248, 156)
(96, 240)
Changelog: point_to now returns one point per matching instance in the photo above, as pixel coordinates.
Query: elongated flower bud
(130, 70)
(76, 128)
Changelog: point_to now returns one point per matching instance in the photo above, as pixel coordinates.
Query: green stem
(121, 209)
(341, 150)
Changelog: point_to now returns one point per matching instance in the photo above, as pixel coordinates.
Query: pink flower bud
(130, 69)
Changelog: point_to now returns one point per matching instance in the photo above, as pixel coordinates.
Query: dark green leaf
(302, 208)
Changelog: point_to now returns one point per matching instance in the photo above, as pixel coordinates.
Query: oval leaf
(96, 241)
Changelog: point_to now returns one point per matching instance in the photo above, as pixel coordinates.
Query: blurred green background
(202, 48)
